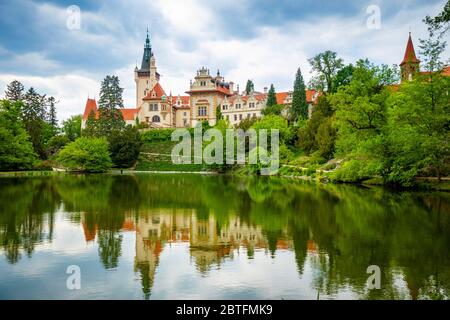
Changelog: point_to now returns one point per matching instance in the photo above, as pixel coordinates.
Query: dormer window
(251, 105)
(237, 105)
(224, 107)
(179, 102)
(153, 94)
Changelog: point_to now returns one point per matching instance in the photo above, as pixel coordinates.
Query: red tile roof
(91, 105)
(281, 96)
(410, 53)
(446, 71)
(158, 90)
(129, 114)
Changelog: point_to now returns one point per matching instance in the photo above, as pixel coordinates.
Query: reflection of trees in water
(27, 208)
(406, 234)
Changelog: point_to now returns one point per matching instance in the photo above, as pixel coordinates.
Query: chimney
(265, 89)
(231, 83)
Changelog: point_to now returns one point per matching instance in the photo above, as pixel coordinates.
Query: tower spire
(145, 65)
(410, 64)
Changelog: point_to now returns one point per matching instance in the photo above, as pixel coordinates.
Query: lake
(156, 236)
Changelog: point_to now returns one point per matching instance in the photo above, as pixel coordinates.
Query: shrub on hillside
(157, 135)
(86, 154)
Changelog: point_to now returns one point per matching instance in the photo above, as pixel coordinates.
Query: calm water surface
(214, 237)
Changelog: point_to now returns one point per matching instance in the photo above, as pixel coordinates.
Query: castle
(207, 93)
(155, 109)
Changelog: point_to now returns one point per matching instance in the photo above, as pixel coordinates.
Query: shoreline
(424, 183)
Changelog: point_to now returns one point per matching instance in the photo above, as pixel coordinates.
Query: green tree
(275, 109)
(16, 150)
(52, 119)
(440, 22)
(326, 65)
(72, 127)
(125, 146)
(92, 126)
(299, 105)
(218, 113)
(361, 117)
(109, 105)
(249, 87)
(14, 91)
(343, 77)
(419, 122)
(274, 122)
(309, 138)
(271, 97)
(34, 114)
(86, 154)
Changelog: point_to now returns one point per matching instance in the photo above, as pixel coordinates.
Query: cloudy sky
(264, 40)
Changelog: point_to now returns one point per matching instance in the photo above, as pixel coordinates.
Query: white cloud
(186, 35)
(70, 90)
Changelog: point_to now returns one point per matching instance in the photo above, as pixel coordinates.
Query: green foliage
(275, 109)
(249, 87)
(109, 105)
(156, 135)
(218, 113)
(274, 122)
(418, 128)
(343, 77)
(125, 147)
(34, 114)
(55, 143)
(299, 108)
(72, 127)
(271, 97)
(91, 128)
(440, 23)
(16, 150)
(325, 138)
(14, 91)
(247, 123)
(325, 65)
(319, 133)
(86, 154)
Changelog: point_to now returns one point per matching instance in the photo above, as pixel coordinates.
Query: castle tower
(146, 77)
(410, 64)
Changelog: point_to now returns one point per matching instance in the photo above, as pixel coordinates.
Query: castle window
(235, 117)
(237, 105)
(156, 119)
(224, 107)
(251, 105)
(202, 111)
(153, 107)
(185, 113)
(240, 116)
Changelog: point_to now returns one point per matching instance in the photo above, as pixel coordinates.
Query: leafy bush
(86, 154)
(156, 135)
(125, 147)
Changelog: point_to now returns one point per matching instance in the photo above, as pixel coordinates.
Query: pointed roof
(410, 53)
(145, 65)
(91, 105)
(156, 93)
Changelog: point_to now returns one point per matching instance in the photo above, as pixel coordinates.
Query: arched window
(156, 119)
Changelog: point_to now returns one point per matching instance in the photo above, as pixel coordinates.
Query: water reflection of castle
(209, 241)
